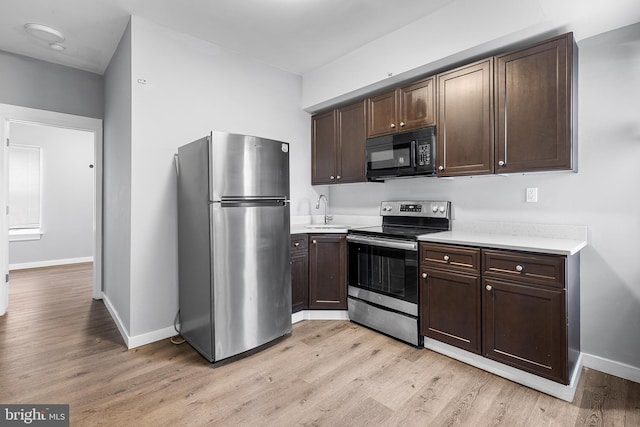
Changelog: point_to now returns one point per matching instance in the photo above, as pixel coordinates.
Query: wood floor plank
(57, 345)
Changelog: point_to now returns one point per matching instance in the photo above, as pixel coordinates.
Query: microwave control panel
(424, 154)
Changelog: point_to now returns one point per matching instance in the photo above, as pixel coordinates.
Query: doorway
(22, 118)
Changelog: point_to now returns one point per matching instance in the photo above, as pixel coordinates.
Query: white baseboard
(49, 263)
(136, 340)
(561, 391)
(611, 367)
(319, 315)
(149, 337)
(116, 319)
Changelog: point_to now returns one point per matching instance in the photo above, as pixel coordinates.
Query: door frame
(16, 114)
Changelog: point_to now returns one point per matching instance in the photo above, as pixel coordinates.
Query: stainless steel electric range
(383, 267)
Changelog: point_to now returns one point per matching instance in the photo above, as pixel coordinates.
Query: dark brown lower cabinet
(450, 304)
(524, 326)
(518, 308)
(328, 271)
(299, 272)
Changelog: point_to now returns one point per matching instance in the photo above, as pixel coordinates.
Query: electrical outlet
(532, 195)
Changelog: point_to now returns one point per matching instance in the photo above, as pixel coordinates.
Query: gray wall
(32, 83)
(117, 181)
(192, 87)
(67, 194)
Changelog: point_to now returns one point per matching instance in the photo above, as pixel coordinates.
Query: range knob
(434, 208)
(442, 209)
(387, 208)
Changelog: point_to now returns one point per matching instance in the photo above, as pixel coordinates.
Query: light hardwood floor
(59, 346)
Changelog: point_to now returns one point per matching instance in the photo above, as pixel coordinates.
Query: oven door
(383, 267)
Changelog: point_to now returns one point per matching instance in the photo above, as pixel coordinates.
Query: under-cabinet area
(518, 308)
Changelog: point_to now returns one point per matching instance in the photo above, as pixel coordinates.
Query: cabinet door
(299, 281)
(417, 105)
(465, 138)
(299, 272)
(381, 114)
(450, 308)
(323, 148)
(352, 133)
(525, 326)
(327, 271)
(534, 114)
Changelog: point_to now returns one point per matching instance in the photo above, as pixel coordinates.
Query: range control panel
(430, 209)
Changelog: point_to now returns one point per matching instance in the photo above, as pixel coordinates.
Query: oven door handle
(385, 243)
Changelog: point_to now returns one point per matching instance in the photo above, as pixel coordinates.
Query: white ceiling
(293, 35)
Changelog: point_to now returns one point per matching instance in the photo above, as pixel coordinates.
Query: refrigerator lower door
(251, 275)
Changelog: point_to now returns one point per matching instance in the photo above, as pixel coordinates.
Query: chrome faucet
(322, 196)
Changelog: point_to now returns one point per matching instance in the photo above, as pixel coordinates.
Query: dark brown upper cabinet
(465, 138)
(535, 115)
(402, 109)
(351, 138)
(338, 137)
(324, 147)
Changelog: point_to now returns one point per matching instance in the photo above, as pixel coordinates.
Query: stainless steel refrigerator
(233, 238)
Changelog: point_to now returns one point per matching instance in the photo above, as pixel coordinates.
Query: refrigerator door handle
(253, 202)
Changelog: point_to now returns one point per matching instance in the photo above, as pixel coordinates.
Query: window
(24, 192)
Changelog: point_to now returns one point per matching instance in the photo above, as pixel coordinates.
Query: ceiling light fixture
(44, 33)
(57, 47)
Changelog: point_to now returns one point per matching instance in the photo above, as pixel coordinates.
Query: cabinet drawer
(547, 270)
(452, 257)
(299, 243)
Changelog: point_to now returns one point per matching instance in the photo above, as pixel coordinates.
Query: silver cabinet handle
(488, 287)
(519, 268)
(440, 168)
(296, 244)
(331, 177)
(393, 125)
(446, 258)
(402, 124)
(424, 275)
(314, 241)
(501, 163)
(338, 177)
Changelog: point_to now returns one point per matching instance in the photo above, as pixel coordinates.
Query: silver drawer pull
(424, 275)
(296, 244)
(488, 287)
(446, 258)
(519, 268)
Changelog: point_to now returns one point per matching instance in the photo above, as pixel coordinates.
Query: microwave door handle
(414, 155)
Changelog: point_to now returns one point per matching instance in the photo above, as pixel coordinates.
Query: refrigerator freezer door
(248, 167)
(251, 276)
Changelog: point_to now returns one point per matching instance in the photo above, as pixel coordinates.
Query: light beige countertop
(338, 223)
(544, 238)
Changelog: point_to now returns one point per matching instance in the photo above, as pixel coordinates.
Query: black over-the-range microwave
(402, 155)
